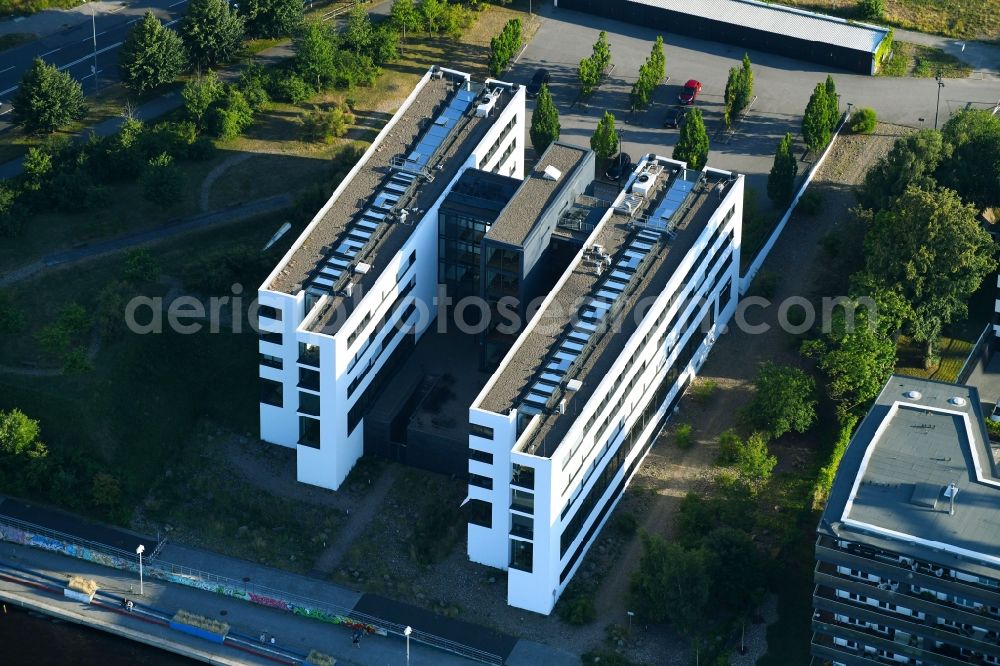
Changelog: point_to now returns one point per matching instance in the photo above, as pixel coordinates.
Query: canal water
(37, 640)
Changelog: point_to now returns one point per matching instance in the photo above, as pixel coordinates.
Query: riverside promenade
(34, 569)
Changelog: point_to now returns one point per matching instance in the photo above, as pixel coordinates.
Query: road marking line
(6, 70)
(4, 92)
(115, 11)
(88, 56)
(179, 2)
(132, 21)
(167, 25)
(50, 52)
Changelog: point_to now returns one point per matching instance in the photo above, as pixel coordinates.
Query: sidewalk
(984, 57)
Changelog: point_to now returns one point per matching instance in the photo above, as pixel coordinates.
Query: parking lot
(783, 87)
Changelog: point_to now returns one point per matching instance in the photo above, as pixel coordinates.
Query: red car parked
(690, 92)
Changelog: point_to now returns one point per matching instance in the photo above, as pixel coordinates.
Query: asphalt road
(72, 48)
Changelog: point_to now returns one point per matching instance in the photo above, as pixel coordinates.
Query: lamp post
(407, 632)
(93, 26)
(850, 105)
(630, 614)
(940, 82)
(139, 551)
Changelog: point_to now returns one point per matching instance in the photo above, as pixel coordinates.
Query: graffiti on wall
(153, 570)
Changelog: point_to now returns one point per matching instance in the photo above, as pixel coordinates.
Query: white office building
(565, 421)
(351, 297)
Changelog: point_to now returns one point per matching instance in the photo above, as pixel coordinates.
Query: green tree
(385, 45)
(231, 115)
(151, 55)
(272, 18)
(658, 59)
(106, 491)
(785, 400)
(314, 55)
(816, 121)
(692, 144)
(589, 76)
(212, 32)
(672, 584)
(754, 463)
(37, 167)
(200, 93)
(46, 99)
(863, 121)
(602, 52)
(856, 356)
(833, 103)
(141, 266)
(737, 569)
(325, 125)
(504, 47)
(972, 165)
(359, 33)
(12, 211)
(912, 160)
(930, 249)
(739, 91)
(162, 181)
(604, 142)
(111, 304)
(781, 180)
(544, 121)
(23, 457)
(404, 16)
(433, 15)
(642, 89)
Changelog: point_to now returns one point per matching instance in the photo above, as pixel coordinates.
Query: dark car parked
(620, 166)
(690, 92)
(540, 78)
(674, 117)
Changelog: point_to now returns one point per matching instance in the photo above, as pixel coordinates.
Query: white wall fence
(765, 249)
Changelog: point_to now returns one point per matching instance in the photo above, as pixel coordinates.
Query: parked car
(995, 416)
(690, 92)
(675, 115)
(540, 78)
(620, 166)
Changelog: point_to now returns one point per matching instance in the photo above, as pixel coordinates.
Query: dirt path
(670, 472)
(92, 349)
(215, 174)
(357, 522)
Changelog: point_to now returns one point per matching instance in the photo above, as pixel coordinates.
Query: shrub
(577, 609)
(811, 202)
(704, 390)
(683, 436)
(325, 125)
(764, 284)
(173, 138)
(290, 88)
(871, 10)
(625, 523)
(141, 266)
(863, 121)
(162, 181)
(231, 116)
(729, 447)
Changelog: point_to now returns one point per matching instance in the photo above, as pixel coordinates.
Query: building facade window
(309, 432)
(271, 392)
(521, 553)
(523, 476)
(268, 312)
(522, 526)
(271, 361)
(481, 456)
(270, 336)
(308, 403)
(523, 501)
(308, 379)
(480, 481)
(479, 512)
(481, 431)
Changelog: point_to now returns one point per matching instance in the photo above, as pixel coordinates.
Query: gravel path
(214, 174)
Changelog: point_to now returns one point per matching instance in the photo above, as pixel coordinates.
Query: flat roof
(616, 236)
(781, 20)
(921, 439)
(532, 199)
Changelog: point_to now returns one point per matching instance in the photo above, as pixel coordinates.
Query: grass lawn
(14, 7)
(966, 19)
(923, 62)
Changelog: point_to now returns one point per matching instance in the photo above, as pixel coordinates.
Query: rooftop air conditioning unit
(488, 103)
(644, 184)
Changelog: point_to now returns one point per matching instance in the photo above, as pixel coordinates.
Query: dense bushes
(324, 125)
(863, 121)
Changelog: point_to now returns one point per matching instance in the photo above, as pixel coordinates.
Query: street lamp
(93, 25)
(139, 551)
(630, 614)
(407, 632)
(850, 105)
(940, 82)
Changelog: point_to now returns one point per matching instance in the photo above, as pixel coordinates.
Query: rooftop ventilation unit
(913, 395)
(552, 173)
(488, 103)
(645, 183)
(957, 400)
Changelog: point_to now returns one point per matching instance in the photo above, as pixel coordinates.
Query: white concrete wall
(279, 425)
(489, 545)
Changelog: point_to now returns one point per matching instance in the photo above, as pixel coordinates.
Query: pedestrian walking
(356, 639)
(272, 640)
(263, 637)
(129, 605)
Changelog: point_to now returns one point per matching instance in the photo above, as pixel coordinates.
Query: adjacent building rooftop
(413, 162)
(639, 256)
(535, 194)
(919, 478)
